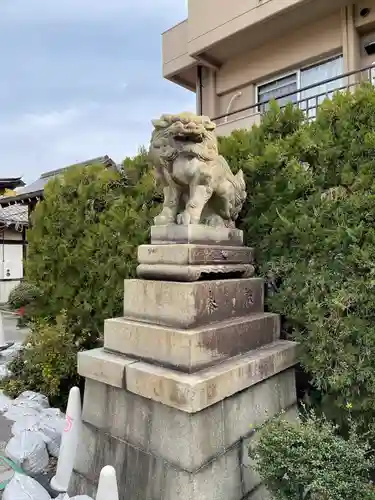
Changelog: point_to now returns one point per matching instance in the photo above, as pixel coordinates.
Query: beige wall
(213, 20)
(303, 46)
(175, 45)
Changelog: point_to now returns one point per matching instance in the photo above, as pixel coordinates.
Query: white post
(3, 344)
(69, 442)
(107, 487)
(2, 334)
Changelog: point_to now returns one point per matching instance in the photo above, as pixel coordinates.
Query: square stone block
(147, 477)
(176, 436)
(196, 233)
(188, 254)
(248, 409)
(188, 441)
(192, 392)
(103, 366)
(190, 305)
(194, 349)
(196, 391)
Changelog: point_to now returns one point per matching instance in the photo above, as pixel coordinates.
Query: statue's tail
(239, 183)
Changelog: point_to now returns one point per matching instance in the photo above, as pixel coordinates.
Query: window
(275, 89)
(292, 86)
(311, 98)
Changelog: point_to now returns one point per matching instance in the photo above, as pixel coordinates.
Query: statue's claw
(184, 218)
(163, 220)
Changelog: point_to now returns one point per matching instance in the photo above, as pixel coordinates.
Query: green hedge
(308, 460)
(310, 214)
(84, 239)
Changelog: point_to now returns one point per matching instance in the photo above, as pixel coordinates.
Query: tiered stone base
(160, 452)
(184, 376)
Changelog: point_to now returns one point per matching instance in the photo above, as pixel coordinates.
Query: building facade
(238, 54)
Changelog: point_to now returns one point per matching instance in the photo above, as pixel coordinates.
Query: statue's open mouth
(189, 138)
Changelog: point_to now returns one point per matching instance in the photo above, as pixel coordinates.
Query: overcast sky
(81, 78)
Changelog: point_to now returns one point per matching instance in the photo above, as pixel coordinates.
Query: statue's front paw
(163, 220)
(184, 219)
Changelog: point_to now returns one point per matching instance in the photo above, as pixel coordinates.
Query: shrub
(310, 215)
(82, 245)
(22, 295)
(83, 241)
(24, 299)
(308, 460)
(47, 362)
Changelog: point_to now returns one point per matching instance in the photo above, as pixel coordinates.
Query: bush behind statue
(82, 245)
(84, 239)
(310, 215)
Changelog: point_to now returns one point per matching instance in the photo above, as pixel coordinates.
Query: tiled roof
(14, 215)
(36, 188)
(11, 182)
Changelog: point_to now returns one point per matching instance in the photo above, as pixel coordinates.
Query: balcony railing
(307, 99)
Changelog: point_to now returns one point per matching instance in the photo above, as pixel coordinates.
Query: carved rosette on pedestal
(195, 360)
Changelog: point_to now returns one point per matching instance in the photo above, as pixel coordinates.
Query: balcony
(308, 99)
(219, 29)
(176, 60)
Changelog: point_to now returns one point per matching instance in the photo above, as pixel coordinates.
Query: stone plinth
(194, 363)
(190, 305)
(193, 349)
(196, 233)
(187, 262)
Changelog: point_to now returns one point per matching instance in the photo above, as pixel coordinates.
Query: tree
(310, 215)
(84, 239)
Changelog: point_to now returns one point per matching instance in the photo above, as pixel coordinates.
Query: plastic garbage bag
(4, 371)
(29, 423)
(28, 450)
(19, 412)
(52, 413)
(5, 402)
(51, 425)
(22, 487)
(52, 429)
(12, 351)
(36, 397)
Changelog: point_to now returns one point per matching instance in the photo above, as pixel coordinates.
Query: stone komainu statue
(199, 186)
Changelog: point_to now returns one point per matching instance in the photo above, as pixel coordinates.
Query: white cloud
(83, 79)
(58, 138)
(86, 11)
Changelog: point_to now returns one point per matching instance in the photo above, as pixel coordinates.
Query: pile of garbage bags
(22, 487)
(37, 431)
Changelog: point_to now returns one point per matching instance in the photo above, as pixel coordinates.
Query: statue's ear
(160, 123)
(209, 125)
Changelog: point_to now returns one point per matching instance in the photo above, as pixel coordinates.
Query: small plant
(47, 362)
(308, 460)
(22, 295)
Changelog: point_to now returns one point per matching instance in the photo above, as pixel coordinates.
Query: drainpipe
(199, 90)
(234, 97)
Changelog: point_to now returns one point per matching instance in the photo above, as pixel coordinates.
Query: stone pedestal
(194, 363)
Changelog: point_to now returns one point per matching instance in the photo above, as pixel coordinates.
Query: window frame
(296, 72)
